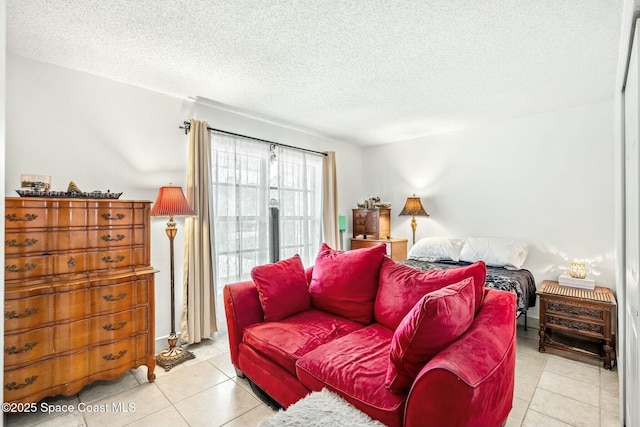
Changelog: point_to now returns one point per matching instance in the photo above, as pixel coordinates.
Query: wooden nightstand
(396, 248)
(578, 320)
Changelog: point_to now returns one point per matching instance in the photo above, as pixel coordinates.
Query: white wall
(102, 135)
(545, 179)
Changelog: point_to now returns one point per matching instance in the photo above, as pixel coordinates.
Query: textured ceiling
(364, 71)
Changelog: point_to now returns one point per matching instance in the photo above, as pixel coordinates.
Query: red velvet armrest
(242, 308)
(471, 382)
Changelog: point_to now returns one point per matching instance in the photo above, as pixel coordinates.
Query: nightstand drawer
(584, 312)
(594, 330)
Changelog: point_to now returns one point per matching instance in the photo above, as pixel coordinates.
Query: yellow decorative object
(578, 270)
(73, 188)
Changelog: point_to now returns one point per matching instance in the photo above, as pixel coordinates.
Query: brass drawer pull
(109, 217)
(72, 262)
(15, 386)
(111, 298)
(109, 260)
(110, 327)
(27, 347)
(15, 269)
(13, 315)
(110, 356)
(13, 243)
(108, 238)
(27, 218)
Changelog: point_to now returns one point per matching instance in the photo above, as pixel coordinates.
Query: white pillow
(494, 252)
(436, 249)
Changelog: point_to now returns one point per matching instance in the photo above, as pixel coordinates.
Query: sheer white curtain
(299, 197)
(240, 187)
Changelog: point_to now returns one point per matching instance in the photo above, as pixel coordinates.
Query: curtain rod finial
(186, 127)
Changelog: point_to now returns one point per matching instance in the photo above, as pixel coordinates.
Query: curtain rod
(187, 126)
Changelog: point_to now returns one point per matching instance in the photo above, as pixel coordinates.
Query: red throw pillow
(402, 286)
(346, 282)
(438, 319)
(282, 288)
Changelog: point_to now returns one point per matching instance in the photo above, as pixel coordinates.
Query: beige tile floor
(550, 391)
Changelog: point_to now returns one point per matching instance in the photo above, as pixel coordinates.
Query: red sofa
(407, 347)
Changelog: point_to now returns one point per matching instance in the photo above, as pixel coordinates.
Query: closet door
(632, 242)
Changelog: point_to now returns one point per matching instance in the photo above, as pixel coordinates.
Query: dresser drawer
(117, 355)
(114, 327)
(76, 336)
(71, 263)
(71, 337)
(28, 381)
(113, 298)
(27, 313)
(113, 214)
(28, 346)
(27, 242)
(116, 237)
(26, 267)
(71, 240)
(33, 267)
(22, 217)
(69, 369)
(71, 305)
(117, 258)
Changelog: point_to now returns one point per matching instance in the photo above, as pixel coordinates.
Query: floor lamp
(413, 207)
(171, 202)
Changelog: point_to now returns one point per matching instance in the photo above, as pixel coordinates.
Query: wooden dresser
(79, 294)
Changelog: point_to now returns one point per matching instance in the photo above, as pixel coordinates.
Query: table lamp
(413, 207)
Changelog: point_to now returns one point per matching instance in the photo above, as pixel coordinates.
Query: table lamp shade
(413, 207)
(171, 202)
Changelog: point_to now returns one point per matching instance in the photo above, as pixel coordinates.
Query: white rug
(321, 409)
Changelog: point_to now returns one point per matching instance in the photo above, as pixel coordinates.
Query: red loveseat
(407, 347)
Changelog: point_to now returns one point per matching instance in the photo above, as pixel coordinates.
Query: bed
(519, 282)
(515, 280)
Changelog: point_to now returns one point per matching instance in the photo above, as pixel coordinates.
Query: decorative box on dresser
(372, 227)
(372, 223)
(578, 320)
(79, 294)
